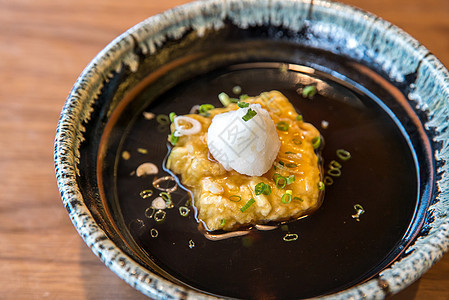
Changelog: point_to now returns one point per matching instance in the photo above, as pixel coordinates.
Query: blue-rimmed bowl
(163, 47)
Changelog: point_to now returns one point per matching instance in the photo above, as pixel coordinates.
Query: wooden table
(44, 45)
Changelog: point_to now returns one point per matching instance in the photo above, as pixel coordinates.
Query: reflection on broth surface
(308, 257)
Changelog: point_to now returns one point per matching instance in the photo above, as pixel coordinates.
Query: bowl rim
(204, 15)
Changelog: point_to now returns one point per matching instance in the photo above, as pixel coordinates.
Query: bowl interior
(391, 172)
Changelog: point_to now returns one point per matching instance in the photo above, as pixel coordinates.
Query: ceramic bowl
(170, 52)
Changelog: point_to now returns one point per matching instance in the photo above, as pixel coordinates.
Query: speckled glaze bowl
(160, 44)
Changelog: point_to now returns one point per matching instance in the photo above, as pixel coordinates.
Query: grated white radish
(248, 147)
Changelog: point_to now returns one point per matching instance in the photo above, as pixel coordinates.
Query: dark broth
(333, 250)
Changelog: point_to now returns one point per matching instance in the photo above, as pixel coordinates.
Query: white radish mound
(250, 147)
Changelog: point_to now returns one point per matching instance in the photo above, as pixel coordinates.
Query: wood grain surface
(44, 45)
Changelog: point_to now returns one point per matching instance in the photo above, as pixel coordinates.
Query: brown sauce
(332, 250)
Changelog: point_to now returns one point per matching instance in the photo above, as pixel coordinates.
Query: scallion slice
(259, 188)
(184, 211)
(159, 215)
(242, 104)
(290, 179)
(279, 180)
(291, 165)
(290, 237)
(328, 180)
(335, 165)
(247, 205)
(167, 198)
(267, 190)
(334, 172)
(309, 91)
(146, 194)
(173, 139)
(316, 142)
(287, 197)
(282, 126)
(172, 116)
(343, 154)
(299, 118)
(205, 108)
(297, 141)
(249, 115)
(321, 186)
(154, 233)
(262, 188)
(224, 99)
(359, 211)
(235, 198)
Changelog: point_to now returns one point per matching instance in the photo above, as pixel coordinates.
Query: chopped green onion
(223, 222)
(172, 116)
(173, 139)
(159, 215)
(288, 152)
(167, 198)
(162, 119)
(281, 162)
(291, 165)
(334, 172)
(262, 188)
(335, 165)
(328, 180)
(290, 179)
(316, 141)
(299, 199)
(142, 150)
(343, 154)
(184, 211)
(236, 90)
(242, 104)
(290, 237)
(286, 198)
(280, 181)
(149, 212)
(359, 211)
(205, 108)
(267, 190)
(146, 194)
(249, 115)
(154, 233)
(299, 118)
(321, 186)
(224, 99)
(235, 198)
(297, 141)
(359, 207)
(309, 91)
(247, 205)
(282, 126)
(243, 97)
